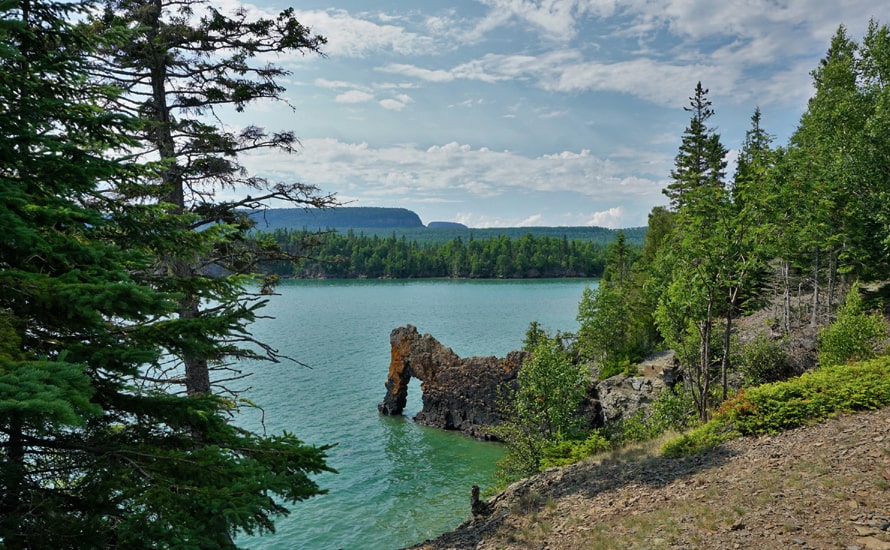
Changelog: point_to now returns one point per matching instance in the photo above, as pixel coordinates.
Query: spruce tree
(689, 304)
(700, 163)
(181, 64)
(92, 453)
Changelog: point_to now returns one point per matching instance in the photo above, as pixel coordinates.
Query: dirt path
(822, 486)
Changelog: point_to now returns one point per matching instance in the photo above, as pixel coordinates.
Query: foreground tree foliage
(793, 230)
(182, 67)
(93, 452)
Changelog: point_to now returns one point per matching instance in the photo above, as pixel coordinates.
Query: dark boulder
(458, 394)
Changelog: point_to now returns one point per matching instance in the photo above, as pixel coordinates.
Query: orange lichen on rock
(397, 365)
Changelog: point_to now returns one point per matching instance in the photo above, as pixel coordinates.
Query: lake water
(398, 483)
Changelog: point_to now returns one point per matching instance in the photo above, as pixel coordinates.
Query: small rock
(872, 543)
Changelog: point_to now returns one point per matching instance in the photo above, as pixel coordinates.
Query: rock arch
(458, 394)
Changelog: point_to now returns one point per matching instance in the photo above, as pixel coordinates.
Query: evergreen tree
(93, 455)
(701, 161)
(703, 224)
(825, 176)
(179, 63)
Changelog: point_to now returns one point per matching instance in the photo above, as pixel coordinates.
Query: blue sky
(520, 112)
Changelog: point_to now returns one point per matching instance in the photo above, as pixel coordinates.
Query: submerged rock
(458, 393)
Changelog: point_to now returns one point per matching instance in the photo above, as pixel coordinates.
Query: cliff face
(458, 394)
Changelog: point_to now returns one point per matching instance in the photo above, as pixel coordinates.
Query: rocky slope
(822, 486)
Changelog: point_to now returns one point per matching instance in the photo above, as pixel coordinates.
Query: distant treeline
(441, 235)
(357, 256)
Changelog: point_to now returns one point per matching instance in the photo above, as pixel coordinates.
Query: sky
(510, 113)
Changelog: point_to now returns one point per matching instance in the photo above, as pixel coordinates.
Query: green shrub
(543, 410)
(771, 408)
(699, 440)
(674, 410)
(763, 360)
(569, 452)
(524, 453)
(854, 336)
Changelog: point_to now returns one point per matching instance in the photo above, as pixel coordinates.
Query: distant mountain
(336, 218)
(446, 225)
(403, 223)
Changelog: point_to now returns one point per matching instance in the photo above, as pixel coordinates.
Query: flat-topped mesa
(458, 394)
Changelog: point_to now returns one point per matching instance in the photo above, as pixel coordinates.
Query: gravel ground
(821, 486)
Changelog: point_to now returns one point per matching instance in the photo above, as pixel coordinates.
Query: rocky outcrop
(622, 396)
(458, 394)
(462, 393)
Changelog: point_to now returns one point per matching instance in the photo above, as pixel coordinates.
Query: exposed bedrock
(621, 396)
(458, 393)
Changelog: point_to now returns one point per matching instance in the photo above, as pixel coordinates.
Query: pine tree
(701, 161)
(180, 63)
(689, 304)
(92, 454)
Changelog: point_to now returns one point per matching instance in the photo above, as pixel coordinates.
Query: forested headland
(392, 243)
(335, 255)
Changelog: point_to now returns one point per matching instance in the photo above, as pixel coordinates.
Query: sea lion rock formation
(458, 394)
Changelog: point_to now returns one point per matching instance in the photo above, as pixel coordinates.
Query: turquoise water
(398, 483)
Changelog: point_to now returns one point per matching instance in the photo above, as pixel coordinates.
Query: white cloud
(530, 221)
(396, 103)
(714, 42)
(614, 217)
(351, 36)
(335, 84)
(453, 170)
(474, 219)
(556, 20)
(354, 96)
(412, 71)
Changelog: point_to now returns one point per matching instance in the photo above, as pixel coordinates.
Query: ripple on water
(398, 483)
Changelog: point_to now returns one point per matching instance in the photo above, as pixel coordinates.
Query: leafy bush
(568, 452)
(854, 336)
(762, 361)
(543, 409)
(771, 408)
(525, 450)
(674, 410)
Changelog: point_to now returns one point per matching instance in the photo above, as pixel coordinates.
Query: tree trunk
(727, 337)
(11, 513)
(197, 374)
(814, 315)
(705, 361)
(832, 281)
(786, 298)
